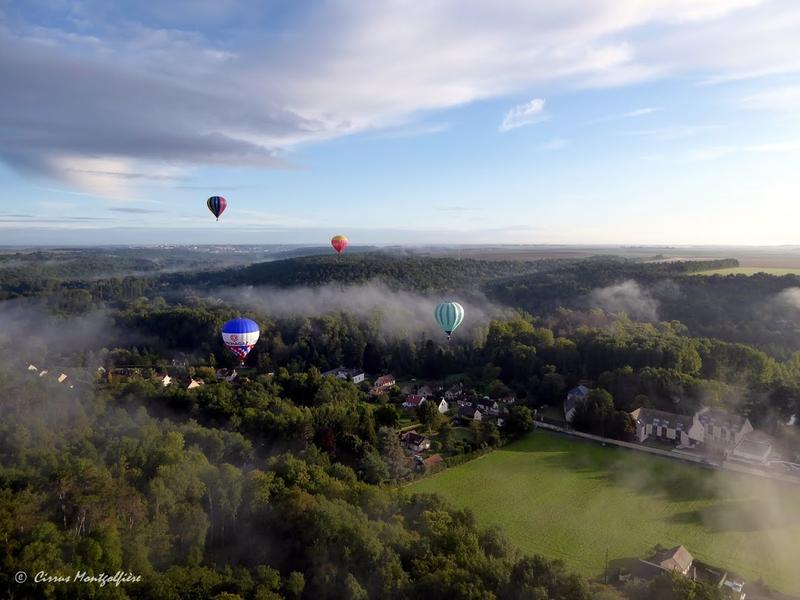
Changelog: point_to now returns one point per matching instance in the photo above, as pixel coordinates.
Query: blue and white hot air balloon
(240, 335)
(449, 315)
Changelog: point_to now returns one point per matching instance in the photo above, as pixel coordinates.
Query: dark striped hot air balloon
(217, 205)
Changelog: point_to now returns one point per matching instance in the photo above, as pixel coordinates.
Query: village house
(413, 401)
(425, 391)
(707, 426)
(32, 368)
(42, 373)
(680, 560)
(488, 406)
(61, 378)
(193, 383)
(722, 428)
(454, 392)
(443, 406)
(414, 442)
(352, 375)
(575, 396)
(166, 380)
(382, 385)
(470, 413)
(226, 375)
(664, 426)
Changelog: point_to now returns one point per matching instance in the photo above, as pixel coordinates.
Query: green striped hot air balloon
(449, 316)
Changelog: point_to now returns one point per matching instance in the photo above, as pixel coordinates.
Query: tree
(429, 415)
(520, 420)
(386, 415)
(397, 463)
(446, 435)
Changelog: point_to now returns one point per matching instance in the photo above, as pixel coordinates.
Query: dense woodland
(284, 483)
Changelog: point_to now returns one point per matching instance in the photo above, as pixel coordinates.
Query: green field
(749, 271)
(569, 499)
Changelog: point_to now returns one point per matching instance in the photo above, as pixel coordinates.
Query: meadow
(573, 500)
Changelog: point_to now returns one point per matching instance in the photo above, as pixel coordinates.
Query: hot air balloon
(339, 243)
(240, 335)
(449, 316)
(217, 205)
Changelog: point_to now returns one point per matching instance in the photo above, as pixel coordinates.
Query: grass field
(570, 499)
(750, 271)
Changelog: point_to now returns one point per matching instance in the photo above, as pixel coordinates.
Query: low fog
(30, 332)
(400, 314)
(627, 297)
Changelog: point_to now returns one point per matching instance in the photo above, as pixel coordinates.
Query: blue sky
(517, 121)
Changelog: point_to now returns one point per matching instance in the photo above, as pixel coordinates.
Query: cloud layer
(237, 84)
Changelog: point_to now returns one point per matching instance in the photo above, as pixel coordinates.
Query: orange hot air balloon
(339, 243)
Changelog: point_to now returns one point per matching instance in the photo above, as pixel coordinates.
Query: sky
(400, 121)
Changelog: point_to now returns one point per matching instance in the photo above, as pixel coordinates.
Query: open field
(751, 271)
(570, 499)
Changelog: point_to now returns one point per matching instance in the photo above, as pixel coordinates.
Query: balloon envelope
(449, 316)
(339, 243)
(240, 335)
(217, 205)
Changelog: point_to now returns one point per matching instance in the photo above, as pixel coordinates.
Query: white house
(166, 380)
(575, 396)
(61, 378)
(353, 375)
(708, 426)
(32, 368)
(679, 429)
(443, 406)
(194, 384)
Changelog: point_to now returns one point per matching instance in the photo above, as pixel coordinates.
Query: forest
(287, 484)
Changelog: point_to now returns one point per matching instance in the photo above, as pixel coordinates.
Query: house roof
(434, 459)
(486, 402)
(342, 372)
(414, 400)
(412, 437)
(467, 411)
(384, 380)
(579, 390)
(720, 418)
(651, 416)
(675, 559)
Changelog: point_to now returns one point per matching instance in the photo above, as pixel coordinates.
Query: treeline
(412, 273)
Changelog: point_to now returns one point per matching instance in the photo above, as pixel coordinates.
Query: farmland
(751, 271)
(570, 499)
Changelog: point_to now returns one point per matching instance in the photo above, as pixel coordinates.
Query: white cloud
(785, 98)
(714, 152)
(642, 111)
(524, 114)
(554, 144)
(339, 67)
